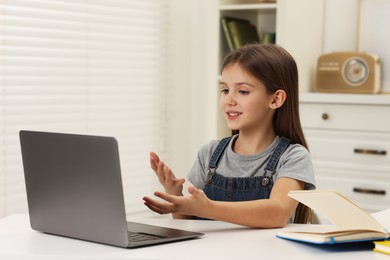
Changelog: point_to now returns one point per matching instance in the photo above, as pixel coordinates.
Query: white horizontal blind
(80, 66)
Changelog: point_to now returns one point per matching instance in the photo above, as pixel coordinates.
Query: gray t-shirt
(294, 163)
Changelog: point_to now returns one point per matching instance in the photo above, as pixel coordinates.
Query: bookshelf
(262, 15)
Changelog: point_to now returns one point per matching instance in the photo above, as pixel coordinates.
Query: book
(238, 32)
(243, 33)
(269, 37)
(226, 32)
(349, 223)
(382, 247)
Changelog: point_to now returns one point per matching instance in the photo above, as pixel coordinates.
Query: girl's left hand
(168, 180)
(195, 204)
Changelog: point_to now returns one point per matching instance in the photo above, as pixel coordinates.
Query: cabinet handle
(369, 151)
(325, 116)
(369, 191)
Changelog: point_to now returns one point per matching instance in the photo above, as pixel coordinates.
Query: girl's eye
(224, 91)
(244, 92)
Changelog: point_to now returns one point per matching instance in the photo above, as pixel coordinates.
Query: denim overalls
(222, 188)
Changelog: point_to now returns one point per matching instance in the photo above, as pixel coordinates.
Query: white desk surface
(221, 241)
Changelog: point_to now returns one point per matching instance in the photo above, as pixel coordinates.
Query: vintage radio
(348, 72)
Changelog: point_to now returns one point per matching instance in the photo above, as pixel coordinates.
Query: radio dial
(355, 71)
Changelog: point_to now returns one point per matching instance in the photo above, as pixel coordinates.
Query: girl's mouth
(232, 115)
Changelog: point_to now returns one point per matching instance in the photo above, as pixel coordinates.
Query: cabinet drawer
(370, 195)
(358, 149)
(345, 117)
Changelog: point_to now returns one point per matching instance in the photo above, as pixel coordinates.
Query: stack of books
(349, 222)
(382, 246)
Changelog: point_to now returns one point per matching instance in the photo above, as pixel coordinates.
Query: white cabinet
(349, 140)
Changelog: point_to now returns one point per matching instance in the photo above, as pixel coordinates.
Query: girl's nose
(232, 101)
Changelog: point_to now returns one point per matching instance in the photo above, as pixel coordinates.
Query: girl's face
(244, 100)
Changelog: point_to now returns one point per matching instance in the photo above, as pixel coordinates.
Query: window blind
(90, 67)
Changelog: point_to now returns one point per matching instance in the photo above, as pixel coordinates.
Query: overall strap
(216, 157)
(273, 161)
(217, 154)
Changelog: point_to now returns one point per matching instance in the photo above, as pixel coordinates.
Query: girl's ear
(278, 99)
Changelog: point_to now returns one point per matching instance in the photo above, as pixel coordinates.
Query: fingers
(151, 205)
(181, 181)
(154, 156)
(165, 175)
(161, 207)
(192, 190)
(160, 168)
(166, 197)
(169, 176)
(197, 193)
(154, 160)
(155, 209)
(163, 172)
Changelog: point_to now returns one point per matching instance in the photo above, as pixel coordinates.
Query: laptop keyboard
(138, 237)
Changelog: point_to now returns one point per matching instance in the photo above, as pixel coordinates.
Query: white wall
(299, 31)
(340, 25)
(192, 94)
(374, 36)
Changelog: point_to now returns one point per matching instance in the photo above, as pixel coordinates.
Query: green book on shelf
(269, 37)
(226, 32)
(243, 33)
(238, 32)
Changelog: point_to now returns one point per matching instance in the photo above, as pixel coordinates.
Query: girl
(244, 179)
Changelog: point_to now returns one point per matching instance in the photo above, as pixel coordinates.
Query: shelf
(248, 7)
(339, 98)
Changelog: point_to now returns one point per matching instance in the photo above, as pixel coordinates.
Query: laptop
(74, 189)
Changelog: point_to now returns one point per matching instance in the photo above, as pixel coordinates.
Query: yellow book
(349, 222)
(382, 247)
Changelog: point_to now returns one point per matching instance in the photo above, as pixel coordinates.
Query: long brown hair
(276, 69)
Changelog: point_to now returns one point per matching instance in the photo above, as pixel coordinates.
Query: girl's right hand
(171, 184)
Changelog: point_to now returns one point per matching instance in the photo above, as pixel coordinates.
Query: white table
(221, 241)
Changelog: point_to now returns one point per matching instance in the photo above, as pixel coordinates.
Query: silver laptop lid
(74, 186)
